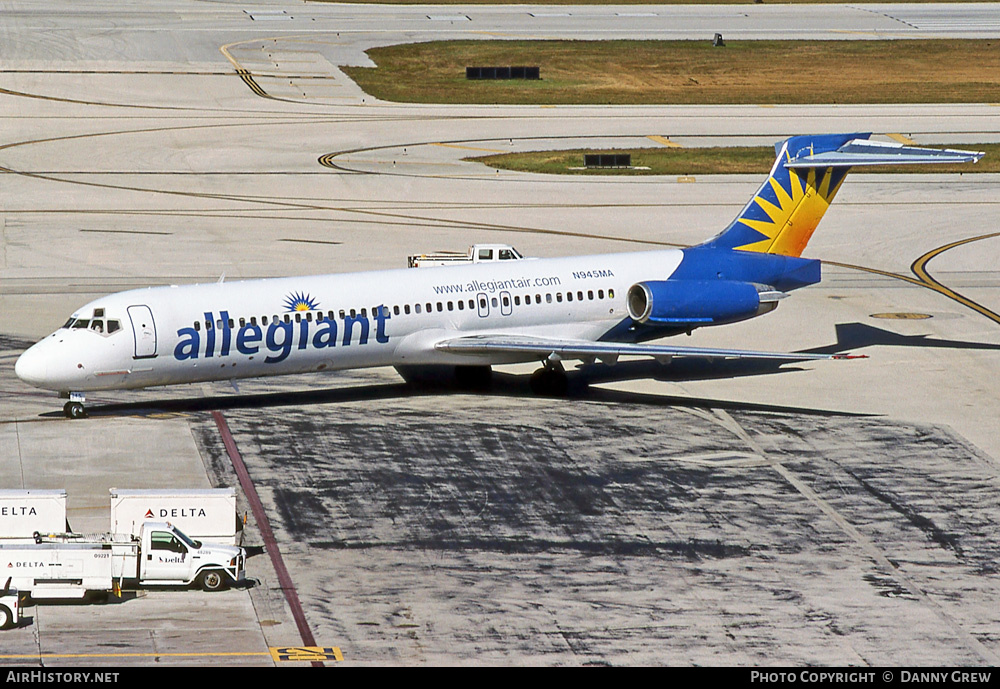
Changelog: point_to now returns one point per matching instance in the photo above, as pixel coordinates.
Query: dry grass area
(691, 72)
(706, 161)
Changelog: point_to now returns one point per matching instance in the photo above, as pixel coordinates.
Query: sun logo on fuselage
(299, 301)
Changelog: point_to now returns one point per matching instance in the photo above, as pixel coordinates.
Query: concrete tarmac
(830, 513)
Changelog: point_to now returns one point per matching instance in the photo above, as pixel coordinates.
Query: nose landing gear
(74, 409)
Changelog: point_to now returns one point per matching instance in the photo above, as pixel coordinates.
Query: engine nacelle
(699, 302)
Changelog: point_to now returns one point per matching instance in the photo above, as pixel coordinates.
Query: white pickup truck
(69, 565)
(477, 253)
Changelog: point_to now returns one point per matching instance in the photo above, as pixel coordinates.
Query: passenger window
(559, 297)
(482, 303)
(429, 309)
(493, 301)
(600, 294)
(548, 298)
(538, 299)
(461, 305)
(417, 307)
(517, 300)
(197, 326)
(395, 310)
(611, 294)
(579, 296)
(590, 294)
(406, 309)
(451, 306)
(440, 307)
(506, 300)
(569, 296)
(472, 304)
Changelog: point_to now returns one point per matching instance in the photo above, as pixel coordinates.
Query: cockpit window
(97, 326)
(81, 323)
(69, 323)
(114, 326)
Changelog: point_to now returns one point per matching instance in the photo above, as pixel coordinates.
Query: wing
(608, 352)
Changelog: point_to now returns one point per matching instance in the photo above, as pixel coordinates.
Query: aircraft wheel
(74, 410)
(5, 617)
(549, 383)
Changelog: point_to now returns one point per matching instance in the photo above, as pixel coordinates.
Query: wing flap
(609, 351)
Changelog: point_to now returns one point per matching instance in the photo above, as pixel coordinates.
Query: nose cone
(32, 366)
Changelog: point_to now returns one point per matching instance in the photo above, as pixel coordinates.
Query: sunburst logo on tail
(788, 208)
(300, 301)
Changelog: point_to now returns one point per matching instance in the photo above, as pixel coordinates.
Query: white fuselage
(231, 330)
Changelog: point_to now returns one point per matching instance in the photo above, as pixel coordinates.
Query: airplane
(472, 317)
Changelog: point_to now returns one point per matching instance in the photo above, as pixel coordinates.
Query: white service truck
(66, 565)
(477, 253)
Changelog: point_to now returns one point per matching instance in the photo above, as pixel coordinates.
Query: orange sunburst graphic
(793, 209)
(300, 301)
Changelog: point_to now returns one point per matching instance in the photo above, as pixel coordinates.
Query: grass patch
(706, 161)
(690, 72)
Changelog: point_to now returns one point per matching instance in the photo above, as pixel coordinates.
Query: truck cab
(169, 557)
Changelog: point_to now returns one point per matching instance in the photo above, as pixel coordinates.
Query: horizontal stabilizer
(858, 152)
(543, 348)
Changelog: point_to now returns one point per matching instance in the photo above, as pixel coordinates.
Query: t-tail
(759, 255)
(805, 178)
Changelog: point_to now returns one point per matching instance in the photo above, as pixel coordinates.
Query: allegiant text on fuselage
(280, 336)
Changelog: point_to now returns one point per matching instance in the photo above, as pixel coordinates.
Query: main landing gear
(550, 380)
(74, 409)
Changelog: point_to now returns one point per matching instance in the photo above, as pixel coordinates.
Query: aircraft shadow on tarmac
(850, 337)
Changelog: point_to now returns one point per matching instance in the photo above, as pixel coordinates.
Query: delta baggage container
(23, 512)
(206, 514)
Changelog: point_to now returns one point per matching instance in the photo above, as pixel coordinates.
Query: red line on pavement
(284, 579)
